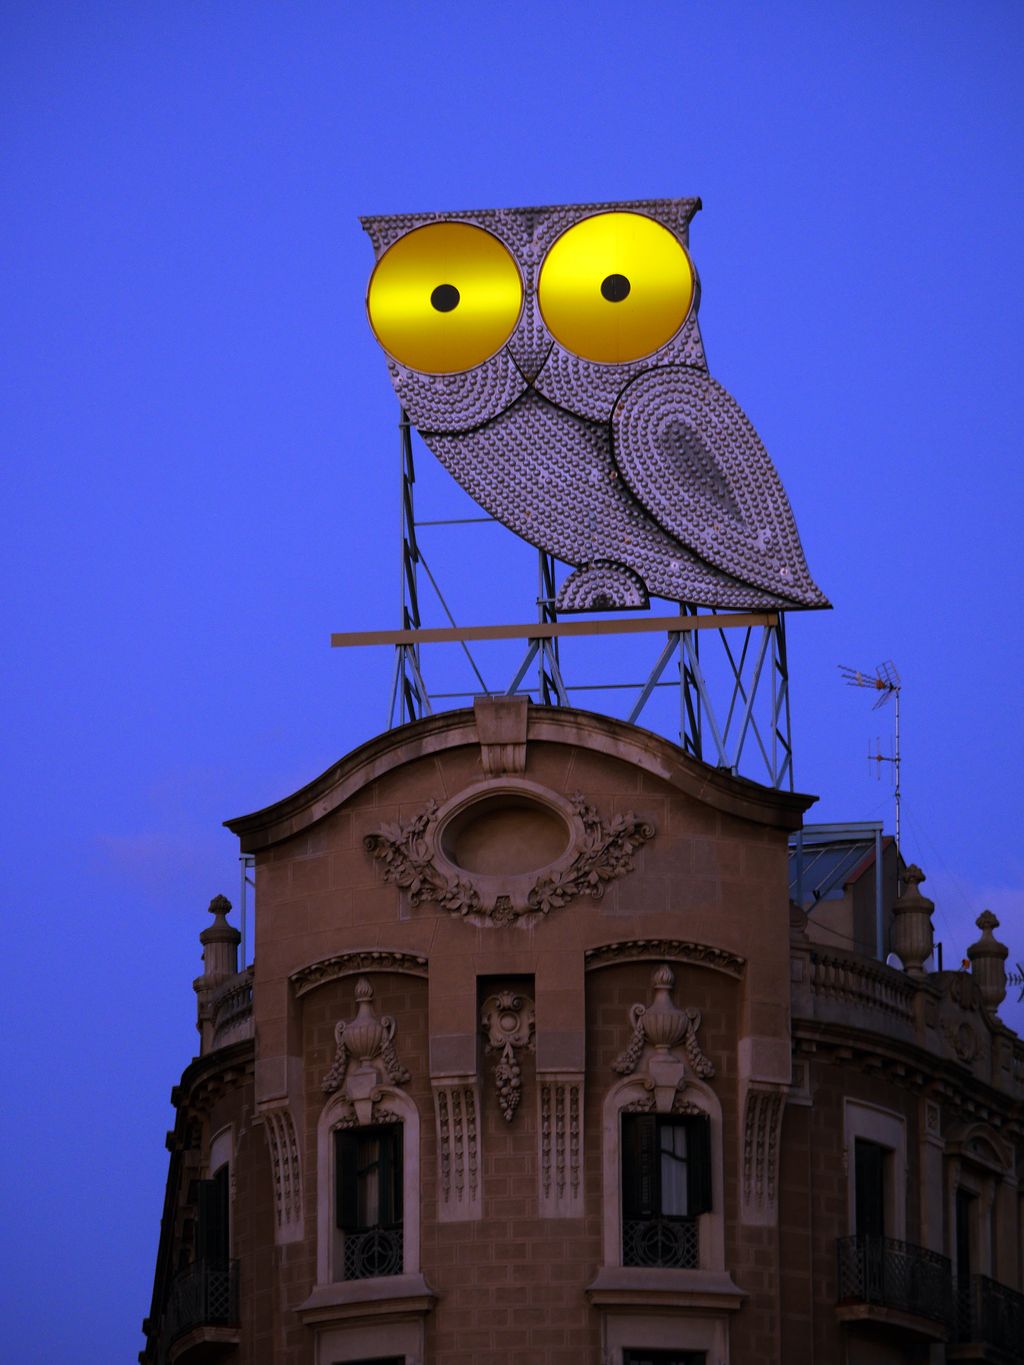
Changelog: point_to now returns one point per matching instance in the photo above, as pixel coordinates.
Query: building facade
(539, 1061)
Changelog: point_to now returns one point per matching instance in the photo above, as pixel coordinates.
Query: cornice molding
(662, 950)
(355, 962)
(587, 730)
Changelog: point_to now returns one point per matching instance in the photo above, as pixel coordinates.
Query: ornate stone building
(537, 1061)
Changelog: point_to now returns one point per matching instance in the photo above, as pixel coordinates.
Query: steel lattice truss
(731, 681)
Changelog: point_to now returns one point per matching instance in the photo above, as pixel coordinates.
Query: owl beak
(530, 343)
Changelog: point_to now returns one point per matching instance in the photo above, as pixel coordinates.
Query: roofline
(436, 734)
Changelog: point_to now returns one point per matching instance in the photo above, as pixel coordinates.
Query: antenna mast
(886, 681)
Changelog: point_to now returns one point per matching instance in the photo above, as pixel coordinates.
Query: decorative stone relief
(287, 1175)
(932, 1122)
(638, 949)
(365, 1056)
(658, 1029)
(457, 1112)
(560, 1104)
(508, 1020)
(501, 724)
(962, 1039)
(597, 852)
(762, 1126)
(316, 974)
(408, 855)
(607, 854)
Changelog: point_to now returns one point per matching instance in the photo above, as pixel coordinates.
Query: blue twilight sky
(200, 464)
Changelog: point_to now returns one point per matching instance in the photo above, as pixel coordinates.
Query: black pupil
(446, 296)
(615, 288)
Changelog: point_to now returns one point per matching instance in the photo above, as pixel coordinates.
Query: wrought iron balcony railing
(377, 1251)
(204, 1295)
(991, 1314)
(671, 1242)
(892, 1274)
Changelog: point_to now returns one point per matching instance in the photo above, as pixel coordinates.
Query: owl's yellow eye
(444, 297)
(616, 287)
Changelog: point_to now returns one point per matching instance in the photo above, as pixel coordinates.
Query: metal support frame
(734, 715)
(549, 673)
(247, 869)
(408, 690)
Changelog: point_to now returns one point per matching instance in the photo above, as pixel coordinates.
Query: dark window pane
(214, 1211)
(964, 1217)
(870, 1162)
(666, 1165)
(698, 1138)
(345, 1184)
(368, 1177)
(637, 1174)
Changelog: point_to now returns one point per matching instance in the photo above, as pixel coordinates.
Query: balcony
(670, 1242)
(374, 1252)
(201, 1317)
(896, 1284)
(989, 1321)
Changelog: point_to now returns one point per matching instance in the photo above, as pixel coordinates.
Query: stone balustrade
(232, 1010)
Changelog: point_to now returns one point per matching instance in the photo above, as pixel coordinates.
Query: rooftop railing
(860, 982)
(232, 1010)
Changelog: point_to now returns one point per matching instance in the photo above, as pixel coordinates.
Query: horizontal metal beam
(546, 630)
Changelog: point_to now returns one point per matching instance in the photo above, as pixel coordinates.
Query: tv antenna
(887, 683)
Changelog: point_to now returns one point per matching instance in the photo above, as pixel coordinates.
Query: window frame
(213, 1222)
(888, 1130)
(701, 1100)
(870, 1205)
(336, 1114)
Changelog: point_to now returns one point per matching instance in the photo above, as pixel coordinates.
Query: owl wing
(689, 454)
(549, 477)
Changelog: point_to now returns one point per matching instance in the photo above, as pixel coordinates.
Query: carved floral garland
(605, 852)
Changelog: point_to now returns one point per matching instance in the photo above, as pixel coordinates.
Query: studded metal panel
(696, 509)
(590, 389)
(550, 477)
(603, 586)
(692, 458)
(456, 402)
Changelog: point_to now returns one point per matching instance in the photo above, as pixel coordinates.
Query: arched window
(663, 1178)
(368, 1183)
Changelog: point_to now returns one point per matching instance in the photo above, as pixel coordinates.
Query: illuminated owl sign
(551, 359)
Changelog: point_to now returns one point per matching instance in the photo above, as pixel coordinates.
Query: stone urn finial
(365, 1053)
(220, 942)
(912, 934)
(365, 1034)
(663, 1026)
(988, 962)
(663, 1022)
